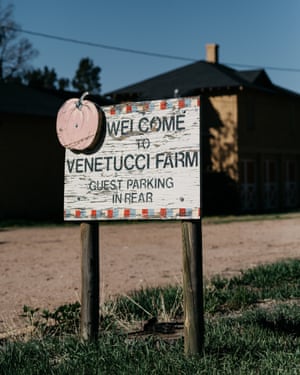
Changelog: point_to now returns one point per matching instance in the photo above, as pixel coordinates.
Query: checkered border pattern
(153, 105)
(129, 213)
(144, 213)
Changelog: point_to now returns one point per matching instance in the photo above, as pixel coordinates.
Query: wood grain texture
(89, 323)
(193, 287)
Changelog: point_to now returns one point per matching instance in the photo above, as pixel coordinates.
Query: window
(248, 184)
(290, 184)
(270, 184)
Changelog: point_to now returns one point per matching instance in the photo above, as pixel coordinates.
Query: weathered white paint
(158, 143)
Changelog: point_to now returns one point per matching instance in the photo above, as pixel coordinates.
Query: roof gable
(200, 74)
(194, 79)
(258, 77)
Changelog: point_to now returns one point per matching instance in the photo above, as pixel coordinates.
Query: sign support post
(89, 320)
(192, 287)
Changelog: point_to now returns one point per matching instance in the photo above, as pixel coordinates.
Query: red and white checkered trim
(153, 105)
(133, 214)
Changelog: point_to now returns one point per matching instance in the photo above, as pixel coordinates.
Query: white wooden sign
(148, 166)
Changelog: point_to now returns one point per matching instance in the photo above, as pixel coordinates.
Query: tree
(63, 83)
(46, 78)
(87, 77)
(15, 52)
(41, 78)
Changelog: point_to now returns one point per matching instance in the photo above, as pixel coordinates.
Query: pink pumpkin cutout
(78, 124)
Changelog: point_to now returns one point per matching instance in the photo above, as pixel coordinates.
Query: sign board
(148, 166)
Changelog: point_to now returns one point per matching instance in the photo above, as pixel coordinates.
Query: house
(31, 158)
(250, 128)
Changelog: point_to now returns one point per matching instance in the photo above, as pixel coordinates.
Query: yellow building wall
(224, 136)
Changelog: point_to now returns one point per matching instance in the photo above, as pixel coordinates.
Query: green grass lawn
(252, 326)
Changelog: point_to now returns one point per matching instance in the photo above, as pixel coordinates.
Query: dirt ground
(41, 266)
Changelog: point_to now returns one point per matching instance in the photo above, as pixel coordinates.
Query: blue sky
(259, 33)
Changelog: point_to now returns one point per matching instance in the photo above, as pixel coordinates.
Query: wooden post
(89, 323)
(193, 287)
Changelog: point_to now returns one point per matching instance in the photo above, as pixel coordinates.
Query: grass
(252, 326)
(246, 218)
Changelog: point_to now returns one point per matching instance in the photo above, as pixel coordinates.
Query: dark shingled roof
(25, 100)
(19, 99)
(197, 78)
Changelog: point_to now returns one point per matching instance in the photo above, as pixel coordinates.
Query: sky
(250, 34)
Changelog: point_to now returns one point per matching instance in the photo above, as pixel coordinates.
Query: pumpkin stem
(79, 103)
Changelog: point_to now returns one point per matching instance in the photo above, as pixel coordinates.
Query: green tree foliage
(46, 78)
(15, 52)
(87, 77)
(41, 78)
(63, 83)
